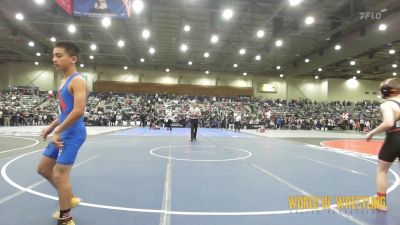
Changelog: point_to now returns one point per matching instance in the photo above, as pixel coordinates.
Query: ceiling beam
(28, 31)
(352, 43)
(351, 46)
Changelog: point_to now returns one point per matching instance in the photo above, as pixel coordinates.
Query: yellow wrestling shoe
(74, 203)
(63, 222)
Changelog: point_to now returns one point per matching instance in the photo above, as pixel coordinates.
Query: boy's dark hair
(389, 87)
(71, 48)
(393, 83)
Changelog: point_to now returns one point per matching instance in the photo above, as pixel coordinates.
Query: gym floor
(157, 177)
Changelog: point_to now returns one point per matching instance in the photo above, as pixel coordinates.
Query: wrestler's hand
(44, 133)
(57, 140)
(369, 136)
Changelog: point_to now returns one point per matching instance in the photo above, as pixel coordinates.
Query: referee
(238, 118)
(194, 115)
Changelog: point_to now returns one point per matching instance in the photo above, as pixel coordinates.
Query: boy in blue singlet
(69, 132)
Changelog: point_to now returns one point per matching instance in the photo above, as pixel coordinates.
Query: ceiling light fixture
(214, 39)
(382, 27)
(137, 6)
(121, 43)
(152, 50)
(19, 16)
(260, 33)
(93, 47)
(145, 33)
(278, 43)
(186, 28)
(71, 28)
(295, 2)
(106, 22)
(309, 20)
(227, 14)
(184, 47)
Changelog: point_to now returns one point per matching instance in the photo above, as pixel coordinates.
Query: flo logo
(370, 15)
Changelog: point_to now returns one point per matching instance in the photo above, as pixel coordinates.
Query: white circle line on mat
(152, 152)
(197, 213)
(16, 149)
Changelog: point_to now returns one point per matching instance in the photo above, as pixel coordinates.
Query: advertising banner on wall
(267, 88)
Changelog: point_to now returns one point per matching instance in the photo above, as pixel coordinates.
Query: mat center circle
(203, 153)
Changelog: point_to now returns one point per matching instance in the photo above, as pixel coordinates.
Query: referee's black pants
(237, 126)
(194, 123)
(168, 125)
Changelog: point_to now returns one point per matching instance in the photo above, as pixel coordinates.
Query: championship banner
(102, 8)
(66, 5)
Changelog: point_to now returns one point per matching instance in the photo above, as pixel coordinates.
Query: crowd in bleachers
(217, 112)
(20, 107)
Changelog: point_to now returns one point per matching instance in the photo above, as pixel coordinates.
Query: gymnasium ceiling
(336, 22)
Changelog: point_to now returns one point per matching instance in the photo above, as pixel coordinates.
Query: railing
(181, 89)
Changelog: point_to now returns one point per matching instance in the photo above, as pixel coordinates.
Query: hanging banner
(66, 5)
(102, 8)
